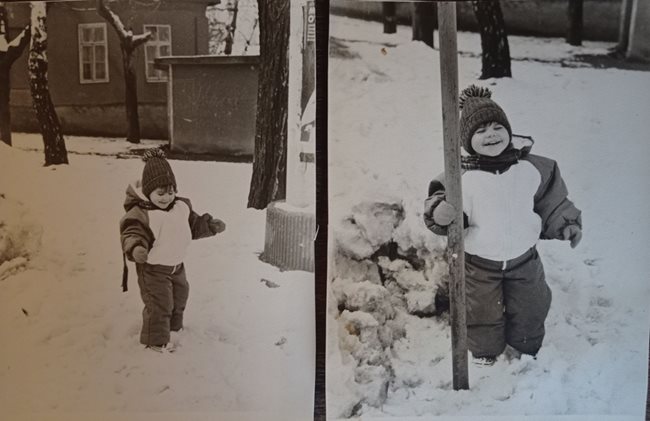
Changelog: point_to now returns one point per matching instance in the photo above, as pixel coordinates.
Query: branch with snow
(126, 35)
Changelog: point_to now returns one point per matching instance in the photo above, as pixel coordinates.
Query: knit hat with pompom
(478, 109)
(157, 172)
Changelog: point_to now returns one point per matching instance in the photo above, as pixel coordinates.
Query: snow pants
(164, 291)
(507, 303)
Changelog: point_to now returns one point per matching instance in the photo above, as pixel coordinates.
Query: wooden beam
(455, 249)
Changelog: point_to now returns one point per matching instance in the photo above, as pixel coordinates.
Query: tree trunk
(5, 106)
(9, 53)
(232, 28)
(130, 95)
(268, 182)
(424, 21)
(574, 33)
(55, 151)
(389, 10)
(494, 40)
(128, 43)
(623, 29)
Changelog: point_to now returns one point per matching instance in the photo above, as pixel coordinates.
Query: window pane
(86, 54)
(154, 32)
(163, 33)
(151, 52)
(99, 34)
(100, 50)
(165, 51)
(151, 72)
(100, 71)
(86, 34)
(86, 71)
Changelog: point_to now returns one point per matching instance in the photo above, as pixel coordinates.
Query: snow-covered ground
(388, 356)
(70, 336)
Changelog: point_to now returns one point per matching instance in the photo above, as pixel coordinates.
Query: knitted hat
(157, 172)
(478, 109)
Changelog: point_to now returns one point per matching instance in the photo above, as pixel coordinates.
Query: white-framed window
(159, 45)
(93, 53)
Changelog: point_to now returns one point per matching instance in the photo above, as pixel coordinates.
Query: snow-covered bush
(383, 275)
(20, 236)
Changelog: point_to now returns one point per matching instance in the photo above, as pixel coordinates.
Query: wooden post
(455, 249)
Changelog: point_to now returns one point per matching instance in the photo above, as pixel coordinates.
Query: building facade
(86, 76)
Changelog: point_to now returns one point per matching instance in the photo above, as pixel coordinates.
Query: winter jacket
(505, 213)
(164, 233)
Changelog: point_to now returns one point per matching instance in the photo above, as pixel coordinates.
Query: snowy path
(386, 144)
(70, 336)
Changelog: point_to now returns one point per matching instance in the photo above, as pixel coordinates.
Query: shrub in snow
(20, 236)
(386, 272)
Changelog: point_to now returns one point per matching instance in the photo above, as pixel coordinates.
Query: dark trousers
(164, 291)
(506, 305)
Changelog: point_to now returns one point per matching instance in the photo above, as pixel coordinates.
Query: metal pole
(455, 249)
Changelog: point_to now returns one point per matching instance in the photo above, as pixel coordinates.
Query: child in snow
(511, 198)
(155, 233)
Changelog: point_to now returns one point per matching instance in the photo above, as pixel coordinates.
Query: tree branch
(18, 44)
(138, 40)
(113, 20)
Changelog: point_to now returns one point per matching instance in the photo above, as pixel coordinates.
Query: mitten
(217, 226)
(444, 214)
(573, 233)
(139, 254)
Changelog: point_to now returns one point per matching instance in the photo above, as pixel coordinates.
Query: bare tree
(54, 143)
(268, 182)
(574, 32)
(233, 7)
(494, 40)
(129, 42)
(9, 53)
(424, 21)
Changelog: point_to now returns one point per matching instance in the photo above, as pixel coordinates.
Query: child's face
(490, 139)
(162, 197)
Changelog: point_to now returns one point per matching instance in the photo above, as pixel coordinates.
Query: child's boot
(484, 361)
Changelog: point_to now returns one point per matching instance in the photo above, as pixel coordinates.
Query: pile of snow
(388, 344)
(20, 234)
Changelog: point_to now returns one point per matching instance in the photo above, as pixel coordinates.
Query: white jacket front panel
(499, 207)
(171, 229)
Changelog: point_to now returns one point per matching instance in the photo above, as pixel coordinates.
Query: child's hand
(444, 214)
(139, 254)
(573, 233)
(217, 225)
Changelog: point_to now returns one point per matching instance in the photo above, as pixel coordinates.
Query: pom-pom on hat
(477, 109)
(157, 171)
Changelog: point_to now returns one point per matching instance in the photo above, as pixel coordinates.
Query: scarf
(495, 164)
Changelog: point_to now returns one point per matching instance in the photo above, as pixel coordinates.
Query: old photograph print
(157, 209)
(570, 168)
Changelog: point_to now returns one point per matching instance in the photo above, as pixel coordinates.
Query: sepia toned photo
(515, 131)
(157, 209)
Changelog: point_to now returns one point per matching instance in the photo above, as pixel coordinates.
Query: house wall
(97, 108)
(522, 17)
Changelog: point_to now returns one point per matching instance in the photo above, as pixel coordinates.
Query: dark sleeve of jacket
(551, 200)
(199, 224)
(436, 194)
(135, 231)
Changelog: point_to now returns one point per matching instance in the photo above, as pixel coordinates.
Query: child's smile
(490, 139)
(162, 197)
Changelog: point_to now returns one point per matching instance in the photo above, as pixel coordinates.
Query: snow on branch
(125, 35)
